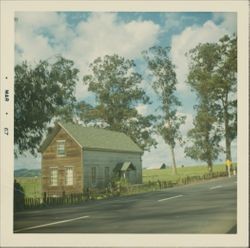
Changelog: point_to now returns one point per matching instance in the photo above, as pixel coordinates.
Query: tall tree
(117, 90)
(42, 92)
(205, 135)
(214, 68)
(164, 84)
(225, 87)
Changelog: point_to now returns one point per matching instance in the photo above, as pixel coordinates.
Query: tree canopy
(225, 87)
(205, 136)
(117, 89)
(43, 92)
(212, 76)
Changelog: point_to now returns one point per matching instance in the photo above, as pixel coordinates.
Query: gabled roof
(125, 166)
(94, 138)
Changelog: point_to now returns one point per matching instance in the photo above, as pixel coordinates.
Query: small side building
(158, 167)
(75, 158)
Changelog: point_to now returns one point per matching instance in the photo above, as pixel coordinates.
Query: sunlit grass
(167, 174)
(32, 185)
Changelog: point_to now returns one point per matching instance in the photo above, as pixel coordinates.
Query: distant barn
(75, 158)
(158, 167)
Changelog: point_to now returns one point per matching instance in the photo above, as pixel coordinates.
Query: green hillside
(27, 173)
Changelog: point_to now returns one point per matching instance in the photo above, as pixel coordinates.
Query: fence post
(63, 197)
(44, 197)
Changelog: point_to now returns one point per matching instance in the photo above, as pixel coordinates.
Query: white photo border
(9, 239)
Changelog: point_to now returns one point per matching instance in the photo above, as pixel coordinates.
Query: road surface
(208, 207)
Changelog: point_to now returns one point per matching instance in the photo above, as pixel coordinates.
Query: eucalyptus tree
(164, 84)
(213, 77)
(117, 90)
(225, 88)
(204, 136)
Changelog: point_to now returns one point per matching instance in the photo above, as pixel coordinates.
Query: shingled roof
(94, 138)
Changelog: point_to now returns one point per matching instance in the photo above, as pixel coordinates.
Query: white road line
(165, 199)
(216, 187)
(51, 224)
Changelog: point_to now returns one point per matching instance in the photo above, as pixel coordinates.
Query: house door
(131, 176)
(93, 176)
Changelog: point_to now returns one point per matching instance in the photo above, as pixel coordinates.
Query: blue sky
(84, 36)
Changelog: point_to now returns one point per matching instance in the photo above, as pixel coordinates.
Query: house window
(60, 148)
(53, 177)
(93, 175)
(106, 174)
(69, 176)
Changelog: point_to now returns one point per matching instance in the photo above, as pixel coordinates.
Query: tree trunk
(227, 139)
(228, 149)
(227, 134)
(209, 152)
(210, 165)
(173, 158)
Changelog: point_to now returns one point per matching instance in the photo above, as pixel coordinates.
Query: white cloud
(40, 35)
(188, 122)
(157, 155)
(187, 40)
(142, 109)
(102, 34)
(44, 34)
(162, 154)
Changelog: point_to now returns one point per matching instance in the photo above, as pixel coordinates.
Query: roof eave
(110, 150)
(72, 136)
(49, 138)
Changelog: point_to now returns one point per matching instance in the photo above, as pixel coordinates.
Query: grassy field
(32, 185)
(167, 174)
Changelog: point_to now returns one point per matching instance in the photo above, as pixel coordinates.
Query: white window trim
(57, 175)
(65, 169)
(60, 155)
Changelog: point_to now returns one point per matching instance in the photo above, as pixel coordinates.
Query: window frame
(93, 176)
(66, 176)
(59, 148)
(54, 178)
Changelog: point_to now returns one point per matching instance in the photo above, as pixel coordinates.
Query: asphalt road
(208, 207)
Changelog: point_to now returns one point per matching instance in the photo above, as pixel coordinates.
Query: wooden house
(75, 158)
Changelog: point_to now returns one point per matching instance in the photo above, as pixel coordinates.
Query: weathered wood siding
(102, 159)
(72, 158)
